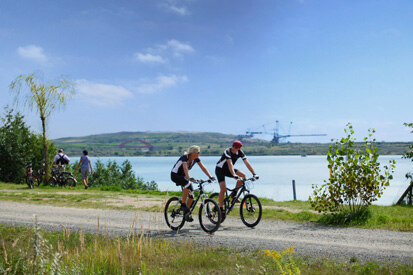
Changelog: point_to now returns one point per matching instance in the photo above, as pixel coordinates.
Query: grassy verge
(34, 251)
(381, 217)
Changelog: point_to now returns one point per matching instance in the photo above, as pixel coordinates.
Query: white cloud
(179, 47)
(102, 94)
(162, 82)
(32, 52)
(176, 6)
(149, 58)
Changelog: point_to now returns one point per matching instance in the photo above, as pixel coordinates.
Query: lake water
(276, 174)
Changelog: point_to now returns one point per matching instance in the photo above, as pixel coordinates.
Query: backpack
(62, 160)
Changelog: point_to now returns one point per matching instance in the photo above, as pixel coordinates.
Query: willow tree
(42, 97)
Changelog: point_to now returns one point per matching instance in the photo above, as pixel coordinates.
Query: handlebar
(250, 179)
(202, 181)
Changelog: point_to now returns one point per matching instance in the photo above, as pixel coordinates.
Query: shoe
(188, 218)
(223, 215)
(85, 186)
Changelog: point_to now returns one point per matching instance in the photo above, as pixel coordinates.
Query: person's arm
(90, 164)
(247, 163)
(203, 168)
(186, 171)
(231, 167)
(80, 162)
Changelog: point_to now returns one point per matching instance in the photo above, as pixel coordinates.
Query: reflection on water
(276, 174)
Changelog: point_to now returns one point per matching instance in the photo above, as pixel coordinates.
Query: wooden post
(295, 198)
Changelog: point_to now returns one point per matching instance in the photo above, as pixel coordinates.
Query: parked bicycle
(209, 213)
(34, 177)
(250, 209)
(61, 178)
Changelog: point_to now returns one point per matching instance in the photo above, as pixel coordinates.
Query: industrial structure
(276, 136)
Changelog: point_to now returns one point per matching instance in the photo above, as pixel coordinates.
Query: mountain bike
(209, 213)
(62, 178)
(250, 209)
(34, 177)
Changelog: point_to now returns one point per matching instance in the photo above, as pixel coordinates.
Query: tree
(34, 93)
(355, 176)
(409, 154)
(18, 147)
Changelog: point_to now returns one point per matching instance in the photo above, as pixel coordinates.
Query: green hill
(175, 143)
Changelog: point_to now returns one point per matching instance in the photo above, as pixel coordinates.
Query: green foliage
(355, 177)
(18, 147)
(409, 153)
(113, 177)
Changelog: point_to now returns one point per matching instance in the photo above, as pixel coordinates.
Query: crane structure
(276, 136)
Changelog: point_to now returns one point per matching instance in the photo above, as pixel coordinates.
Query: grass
(34, 251)
(398, 218)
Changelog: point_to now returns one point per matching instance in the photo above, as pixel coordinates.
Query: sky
(216, 66)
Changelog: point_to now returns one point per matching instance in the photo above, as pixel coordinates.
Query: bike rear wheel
(174, 216)
(209, 216)
(215, 196)
(251, 210)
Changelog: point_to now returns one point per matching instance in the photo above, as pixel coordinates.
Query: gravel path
(307, 239)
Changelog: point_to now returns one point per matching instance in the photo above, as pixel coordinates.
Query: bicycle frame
(201, 194)
(242, 191)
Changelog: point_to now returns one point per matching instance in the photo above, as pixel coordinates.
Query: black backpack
(62, 160)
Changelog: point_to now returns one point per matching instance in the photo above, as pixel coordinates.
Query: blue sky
(218, 66)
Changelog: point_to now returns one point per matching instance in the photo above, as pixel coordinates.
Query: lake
(276, 174)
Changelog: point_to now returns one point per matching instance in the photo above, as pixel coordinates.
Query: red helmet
(237, 144)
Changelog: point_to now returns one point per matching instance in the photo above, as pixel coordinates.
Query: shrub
(113, 177)
(355, 177)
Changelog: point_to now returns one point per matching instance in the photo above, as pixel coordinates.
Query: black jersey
(179, 169)
(222, 163)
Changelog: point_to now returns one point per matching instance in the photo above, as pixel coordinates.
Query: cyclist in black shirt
(180, 174)
(225, 168)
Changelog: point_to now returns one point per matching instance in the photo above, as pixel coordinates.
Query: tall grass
(34, 251)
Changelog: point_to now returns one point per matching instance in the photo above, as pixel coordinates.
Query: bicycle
(209, 213)
(250, 209)
(61, 178)
(34, 178)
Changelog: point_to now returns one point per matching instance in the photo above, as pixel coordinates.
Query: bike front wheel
(174, 216)
(209, 216)
(251, 210)
(29, 182)
(70, 182)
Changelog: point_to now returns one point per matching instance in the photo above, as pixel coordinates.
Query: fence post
(295, 198)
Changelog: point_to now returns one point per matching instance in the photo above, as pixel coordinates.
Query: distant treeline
(173, 144)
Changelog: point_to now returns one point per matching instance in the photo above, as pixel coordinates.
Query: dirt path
(307, 239)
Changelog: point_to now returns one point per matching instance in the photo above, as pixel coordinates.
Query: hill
(175, 143)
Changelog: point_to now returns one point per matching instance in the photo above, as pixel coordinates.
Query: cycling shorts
(222, 173)
(181, 181)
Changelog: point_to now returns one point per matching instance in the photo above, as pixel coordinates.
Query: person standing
(61, 160)
(84, 165)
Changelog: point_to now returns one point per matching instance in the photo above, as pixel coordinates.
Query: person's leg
(221, 196)
(185, 193)
(239, 182)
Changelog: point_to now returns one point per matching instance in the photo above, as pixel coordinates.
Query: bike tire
(215, 196)
(174, 217)
(52, 182)
(212, 215)
(70, 182)
(248, 210)
(29, 182)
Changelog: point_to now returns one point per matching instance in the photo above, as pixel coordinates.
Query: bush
(18, 147)
(355, 177)
(113, 177)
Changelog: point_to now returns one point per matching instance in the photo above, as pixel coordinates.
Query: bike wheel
(70, 182)
(52, 182)
(209, 216)
(215, 196)
(174, 216)
(29, 182)
(251, 210)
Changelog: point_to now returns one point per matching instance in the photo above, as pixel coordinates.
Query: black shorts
(222, 173)
(181, 181)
